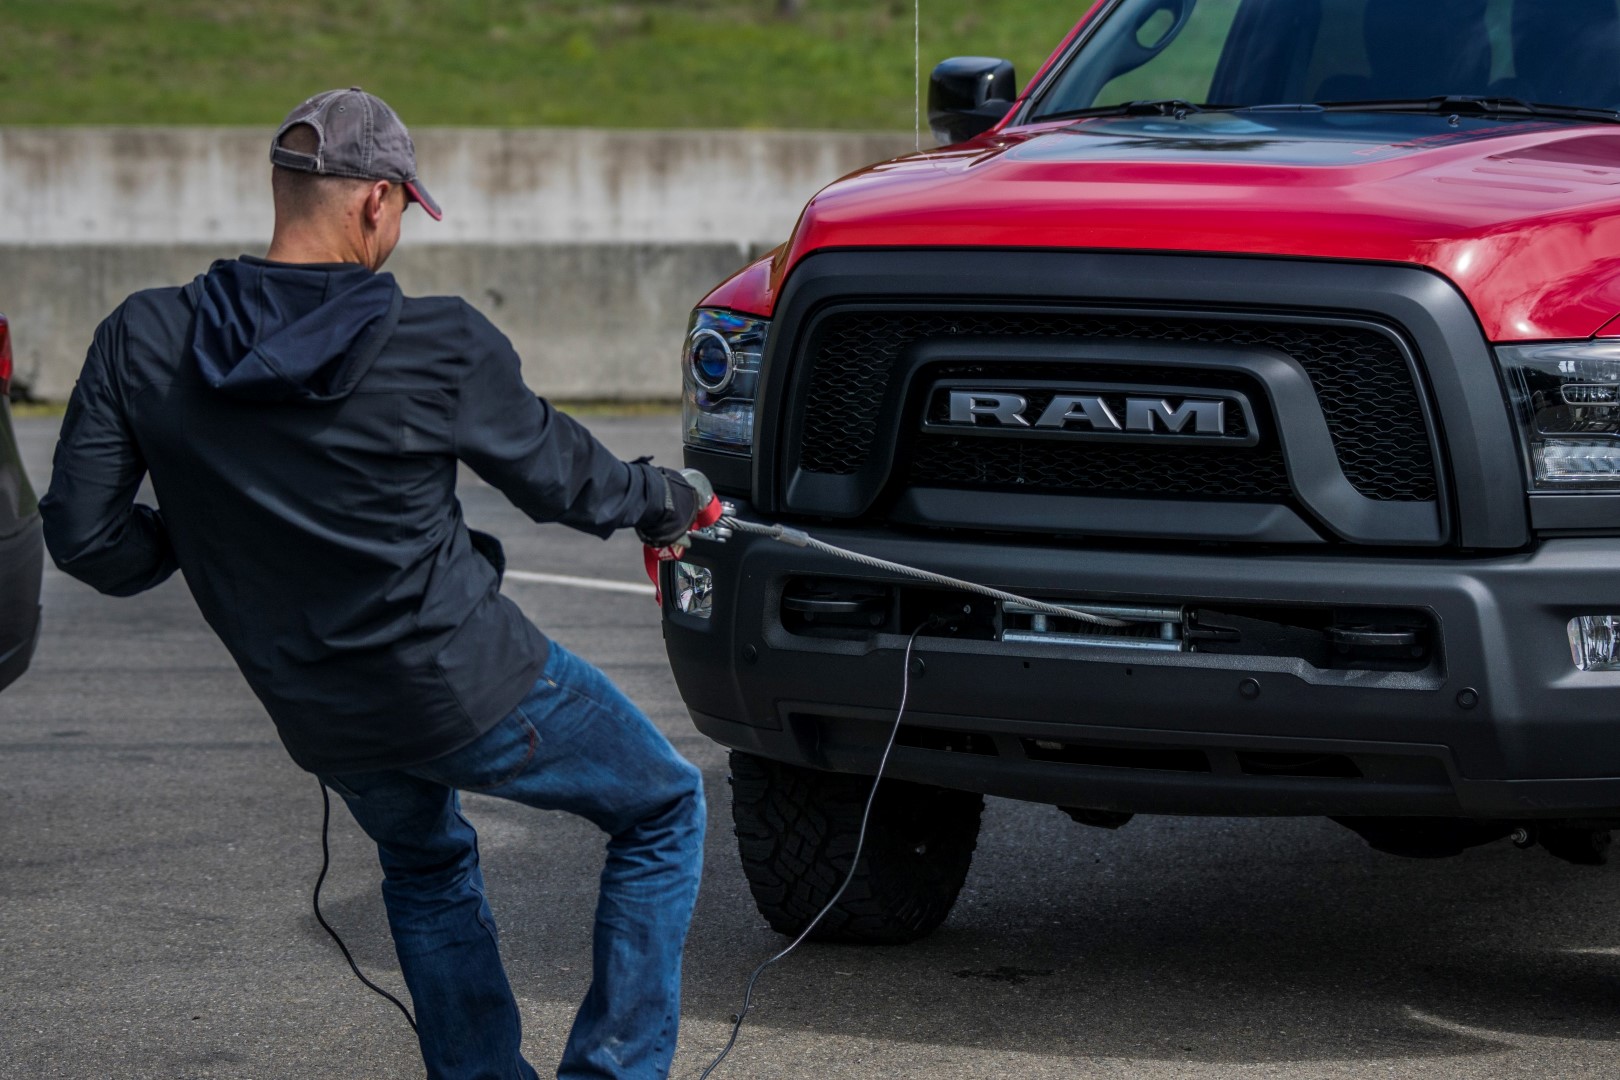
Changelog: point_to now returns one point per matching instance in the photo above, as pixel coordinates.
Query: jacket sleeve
(544, 461)
(94, 529)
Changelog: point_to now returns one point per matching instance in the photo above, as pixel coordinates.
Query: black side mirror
(968, 95)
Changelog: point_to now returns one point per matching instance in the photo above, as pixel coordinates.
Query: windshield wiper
(1476, 105)
(1175, 107)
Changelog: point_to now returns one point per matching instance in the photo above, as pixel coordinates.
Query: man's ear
(376, 199)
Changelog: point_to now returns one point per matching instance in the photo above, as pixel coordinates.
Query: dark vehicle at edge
(22, 551)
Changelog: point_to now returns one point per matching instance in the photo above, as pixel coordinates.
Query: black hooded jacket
(301, 425)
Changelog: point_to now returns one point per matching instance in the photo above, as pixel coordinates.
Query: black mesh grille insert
(1089, 467)
(1360, 376)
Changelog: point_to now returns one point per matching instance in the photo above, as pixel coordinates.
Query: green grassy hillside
(634, 63)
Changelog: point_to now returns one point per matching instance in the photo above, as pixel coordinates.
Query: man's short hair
(303, 193)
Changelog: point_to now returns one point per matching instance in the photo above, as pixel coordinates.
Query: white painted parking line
(529, 577)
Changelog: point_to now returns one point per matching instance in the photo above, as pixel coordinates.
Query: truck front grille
(1361, 378)
(1126, 470)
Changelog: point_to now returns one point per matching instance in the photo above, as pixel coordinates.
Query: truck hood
(1523, 216)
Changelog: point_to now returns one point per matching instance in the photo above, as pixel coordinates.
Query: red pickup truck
(1286, 333)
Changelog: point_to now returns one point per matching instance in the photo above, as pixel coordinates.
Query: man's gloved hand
(686, 493)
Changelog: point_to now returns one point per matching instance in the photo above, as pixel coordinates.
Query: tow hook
(1583, 845)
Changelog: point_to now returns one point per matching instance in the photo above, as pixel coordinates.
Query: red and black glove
(688, 504)
(688, 498)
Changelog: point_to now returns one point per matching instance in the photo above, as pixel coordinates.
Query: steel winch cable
(854, 861)
(800, 538)
(315, 902)
(796, 538)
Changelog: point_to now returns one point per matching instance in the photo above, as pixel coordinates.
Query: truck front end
(1313, 396)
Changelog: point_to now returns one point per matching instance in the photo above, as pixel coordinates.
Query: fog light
(694, 589)
(1594, 642)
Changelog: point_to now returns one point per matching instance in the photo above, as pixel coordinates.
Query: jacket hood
(267, 331)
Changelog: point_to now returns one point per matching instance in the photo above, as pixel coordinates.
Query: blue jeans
(575, 743)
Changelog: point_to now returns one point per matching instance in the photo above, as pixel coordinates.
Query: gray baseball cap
(359, 136)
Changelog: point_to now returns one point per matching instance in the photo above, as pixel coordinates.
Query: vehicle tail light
(5, 359)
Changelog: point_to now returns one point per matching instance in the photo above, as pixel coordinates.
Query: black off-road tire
(796, 832)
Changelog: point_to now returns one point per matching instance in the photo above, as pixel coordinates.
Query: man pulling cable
(301, 421)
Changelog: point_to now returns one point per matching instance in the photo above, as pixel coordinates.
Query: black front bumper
(1505, 727)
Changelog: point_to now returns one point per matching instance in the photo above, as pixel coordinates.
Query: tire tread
(796, 832)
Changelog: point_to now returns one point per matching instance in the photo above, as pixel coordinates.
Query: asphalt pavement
(157, 850)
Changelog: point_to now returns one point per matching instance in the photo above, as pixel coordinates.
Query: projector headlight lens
(1567, 397)
(720, 372)
(709, 359)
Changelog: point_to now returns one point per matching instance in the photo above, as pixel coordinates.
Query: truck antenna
(916, 71)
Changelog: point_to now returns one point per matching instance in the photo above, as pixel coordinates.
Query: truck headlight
(1567, 400)
(719, 374)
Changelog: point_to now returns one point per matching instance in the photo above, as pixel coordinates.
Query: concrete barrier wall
(591, 321)
(587, 247)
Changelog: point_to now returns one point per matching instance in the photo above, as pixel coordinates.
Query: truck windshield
(1239, 53)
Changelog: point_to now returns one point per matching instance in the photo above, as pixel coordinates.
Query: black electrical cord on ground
(326, 863)
(854, 862)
